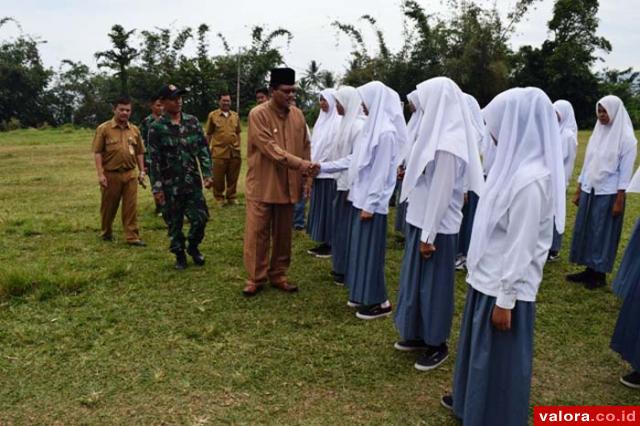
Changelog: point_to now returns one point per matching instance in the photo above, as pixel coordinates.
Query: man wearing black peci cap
(180, 165)
(278, 154)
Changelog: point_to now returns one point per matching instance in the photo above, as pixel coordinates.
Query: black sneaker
(338, 279)
(198, 258)
(322, 251)
(411, 345)
(631, 380)
(432, 358)
(373, 311)
(447, 402)
(298, 227)
(580, 277)
(181, 261)
(598, 279)
(553, 256)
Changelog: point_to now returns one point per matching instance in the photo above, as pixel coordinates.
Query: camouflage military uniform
(174, 152)
(144, 132)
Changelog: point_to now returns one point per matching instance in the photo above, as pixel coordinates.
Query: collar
(115, 124)
(271, 104)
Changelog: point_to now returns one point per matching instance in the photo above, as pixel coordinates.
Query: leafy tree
(120, 57)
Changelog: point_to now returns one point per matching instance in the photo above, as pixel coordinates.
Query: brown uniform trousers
(120, 185)
(225, 175)
(224, 130)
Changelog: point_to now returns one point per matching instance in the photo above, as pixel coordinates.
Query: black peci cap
(282, 76)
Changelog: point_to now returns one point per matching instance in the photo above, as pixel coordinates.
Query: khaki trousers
(225, 171)
(120, 185)
(267, 222)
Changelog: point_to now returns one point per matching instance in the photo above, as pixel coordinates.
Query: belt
(120, 170)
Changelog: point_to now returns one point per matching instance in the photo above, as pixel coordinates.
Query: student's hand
(314, 170)
(365, 216)
(618, 206)
(426, 250)
(400, 173)
(102, 180)
(159, 198)
(576, 199)
(466, 198)
(501, 318)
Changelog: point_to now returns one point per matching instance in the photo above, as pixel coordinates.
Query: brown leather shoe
(285, 286)
(251, 289)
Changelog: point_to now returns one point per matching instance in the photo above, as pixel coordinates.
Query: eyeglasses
(288, 91)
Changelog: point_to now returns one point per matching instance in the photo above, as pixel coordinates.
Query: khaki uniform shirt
(225, 134)
(118, 146)
(277, 145)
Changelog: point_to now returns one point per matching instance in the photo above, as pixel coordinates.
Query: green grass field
(101, 333)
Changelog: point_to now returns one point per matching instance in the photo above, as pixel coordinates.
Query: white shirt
(614, 181)
(569, 149)
(511, 267)
(435, 204)
(372, 188)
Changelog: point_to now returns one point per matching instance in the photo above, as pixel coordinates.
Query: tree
(120, 57)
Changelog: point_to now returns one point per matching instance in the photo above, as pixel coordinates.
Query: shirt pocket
(112, 145)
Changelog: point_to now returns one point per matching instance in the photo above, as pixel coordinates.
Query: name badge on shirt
(275, 130)
(131, 150)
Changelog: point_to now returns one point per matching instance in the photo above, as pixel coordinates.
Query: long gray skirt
(401, 218)
(425, 300)
(341, 231)
(492, 377)
(596, 234)
(320, 220)
(556, 243)
(626, 335)
(365, 267)
(629, 273)
(468, 215)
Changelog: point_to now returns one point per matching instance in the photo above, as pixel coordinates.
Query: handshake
(309, 169)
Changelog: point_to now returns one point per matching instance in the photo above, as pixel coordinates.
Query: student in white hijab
(323, 140)
(511, 237)
(569, 137)
(372, 170)
(444, 161)
(626, 336)
(412, 130)
(349, 107)
(600, 196)
(482, 138)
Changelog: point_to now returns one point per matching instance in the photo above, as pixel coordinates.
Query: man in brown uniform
(223, 135)
(278, 157)
(118, 149)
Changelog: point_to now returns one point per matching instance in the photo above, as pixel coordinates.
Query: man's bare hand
(501, 318)
(102, 180)
(159, 198)
(426, 250)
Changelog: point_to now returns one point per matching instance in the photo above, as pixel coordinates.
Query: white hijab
(446, 126)
(413, 125)
(324, 130)
(384, 115)
(352, 120)
(485, 144)
(525, 125)
(608, 141)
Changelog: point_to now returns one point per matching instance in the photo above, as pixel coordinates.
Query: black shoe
(411, 345)
(107, 238)
(598, 279)
(322, 251)
(373, 311)
(198, 258)
(181, 261)
(338, 279)
(553, 256)
(299, 227)
(580, 277)
(447, 402)
(432, 358)
(138, 243)
(631, 380)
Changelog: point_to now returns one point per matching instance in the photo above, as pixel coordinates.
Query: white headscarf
(384, 115)
(525, 125)
(352, 120)
(324, 131)
(485, 144)
(446, 126)
(569, 133)
(413, 124)
(607, 142)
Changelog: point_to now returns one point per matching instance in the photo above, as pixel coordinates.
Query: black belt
(120, 170)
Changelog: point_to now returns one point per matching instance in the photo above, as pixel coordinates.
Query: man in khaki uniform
(278, 153)
(223, 135)
(118, 150)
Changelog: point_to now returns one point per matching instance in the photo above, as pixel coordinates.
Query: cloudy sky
(76, 29)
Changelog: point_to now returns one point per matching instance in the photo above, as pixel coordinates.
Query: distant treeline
(471, 47)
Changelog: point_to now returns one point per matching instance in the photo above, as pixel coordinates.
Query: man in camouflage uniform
(156, 107)
(180, 165)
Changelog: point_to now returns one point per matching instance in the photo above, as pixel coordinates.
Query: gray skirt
(425, 300)
(320, 220)
(492, 377)
(556, 244)
(401, 218)
(468, 215)
(626, 335)
(341, 230)
(629, 273)
(596, 234)
(365, 267)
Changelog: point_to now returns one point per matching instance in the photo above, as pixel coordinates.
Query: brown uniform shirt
(225, 134)
(277, 144)
(118, 146)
